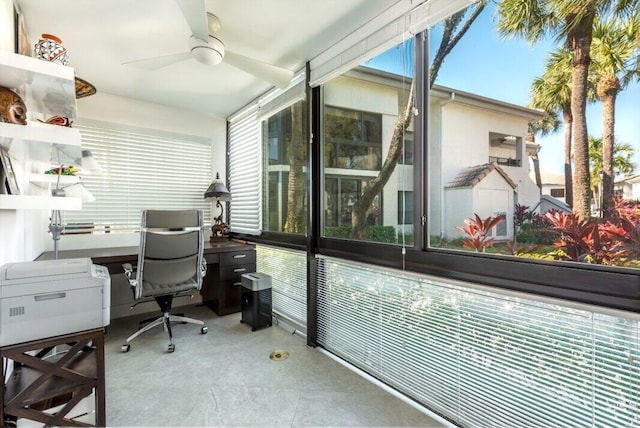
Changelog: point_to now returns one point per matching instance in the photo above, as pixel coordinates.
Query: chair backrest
(171, 248)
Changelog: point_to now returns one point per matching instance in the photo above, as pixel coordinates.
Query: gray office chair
(170, 264)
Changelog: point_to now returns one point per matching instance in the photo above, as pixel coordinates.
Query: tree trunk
(296, 219)
(359, 211)
(568, 170)
(449, 41)
(531, 136)
(608, 88)
(580, 42)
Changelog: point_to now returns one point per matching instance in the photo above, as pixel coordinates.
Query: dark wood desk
(226, 262)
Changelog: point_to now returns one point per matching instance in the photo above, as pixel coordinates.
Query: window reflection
(362, 108)
(284, 195)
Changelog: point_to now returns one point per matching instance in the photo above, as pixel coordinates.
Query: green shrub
(337, 231)
(375, 233)
(378, 233)
(532, 234)
(438, 242)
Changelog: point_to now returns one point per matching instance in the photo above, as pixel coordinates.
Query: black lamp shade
(218, 190)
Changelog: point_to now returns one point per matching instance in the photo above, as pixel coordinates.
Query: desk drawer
(235, 272)
(237, 258)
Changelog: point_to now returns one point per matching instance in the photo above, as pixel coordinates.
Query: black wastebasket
(256, 300)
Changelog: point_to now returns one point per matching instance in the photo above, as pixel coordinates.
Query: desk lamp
(217, 189)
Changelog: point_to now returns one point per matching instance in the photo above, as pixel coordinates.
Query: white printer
(52, 297)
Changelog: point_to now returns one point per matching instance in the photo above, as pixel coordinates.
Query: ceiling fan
(207, 48)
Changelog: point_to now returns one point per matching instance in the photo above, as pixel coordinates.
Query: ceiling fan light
(210, 53)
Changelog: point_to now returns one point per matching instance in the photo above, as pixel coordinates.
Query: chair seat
(151, 289)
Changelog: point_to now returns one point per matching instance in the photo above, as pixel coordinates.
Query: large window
(286, 158)
(141, 169)
(269, 166)
(341, 194)
(472, 153)
(490, 333)
(365, 128)
(353, 139)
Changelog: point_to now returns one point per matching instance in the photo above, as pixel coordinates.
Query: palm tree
(572, 21)
(615, 54)
(552, 92)
(545, 126)
(622, 166)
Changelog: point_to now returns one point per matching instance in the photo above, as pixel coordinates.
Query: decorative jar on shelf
(49, 48)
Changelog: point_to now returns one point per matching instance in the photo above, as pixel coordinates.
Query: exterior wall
(629, 188)
(459, 137)
(493, 195)
(551, 180)
(357, 94)
(462, 199)
(436, 192)
(489, 197)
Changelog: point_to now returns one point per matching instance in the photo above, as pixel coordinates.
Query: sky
(486, 64)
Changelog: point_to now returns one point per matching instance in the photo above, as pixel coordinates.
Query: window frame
(281, 239)
(340, 143)
(603, 286)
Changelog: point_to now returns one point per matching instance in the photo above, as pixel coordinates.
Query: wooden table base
(54, 372)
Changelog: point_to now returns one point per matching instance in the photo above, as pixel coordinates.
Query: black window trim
(603, 286)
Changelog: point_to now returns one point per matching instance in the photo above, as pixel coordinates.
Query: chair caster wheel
(125, 348)
(204, 330)
(171, 348)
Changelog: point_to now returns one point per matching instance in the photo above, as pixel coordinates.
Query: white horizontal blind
(400, 22)
(141, 169)
(288, 271)
(245, 172)
(278, 100)
(479, 357)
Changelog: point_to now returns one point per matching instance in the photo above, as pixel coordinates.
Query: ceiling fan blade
(195, 12)
(159, 61)
(278, 76)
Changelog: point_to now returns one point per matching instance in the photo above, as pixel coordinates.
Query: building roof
(472, 175)
(550, 178)
(630, 179)
(451, 94)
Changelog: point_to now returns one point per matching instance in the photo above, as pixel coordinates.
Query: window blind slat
(481, 358)
(245, 171)
(141, 169)
(288, 271)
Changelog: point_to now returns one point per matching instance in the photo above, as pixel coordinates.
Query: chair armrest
(203, 268)
(128, 270)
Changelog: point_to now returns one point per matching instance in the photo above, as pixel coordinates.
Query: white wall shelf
(46, 87)
(42, 142)
(27, 202)
(46, 180)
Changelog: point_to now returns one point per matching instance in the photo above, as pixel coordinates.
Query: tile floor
(226, 378)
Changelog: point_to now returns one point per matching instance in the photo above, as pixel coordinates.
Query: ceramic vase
(49, 48)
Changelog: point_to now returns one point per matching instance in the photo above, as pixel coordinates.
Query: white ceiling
(101, 35)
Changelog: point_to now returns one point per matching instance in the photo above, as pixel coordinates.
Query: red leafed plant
(477, 231)
(586, 240)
